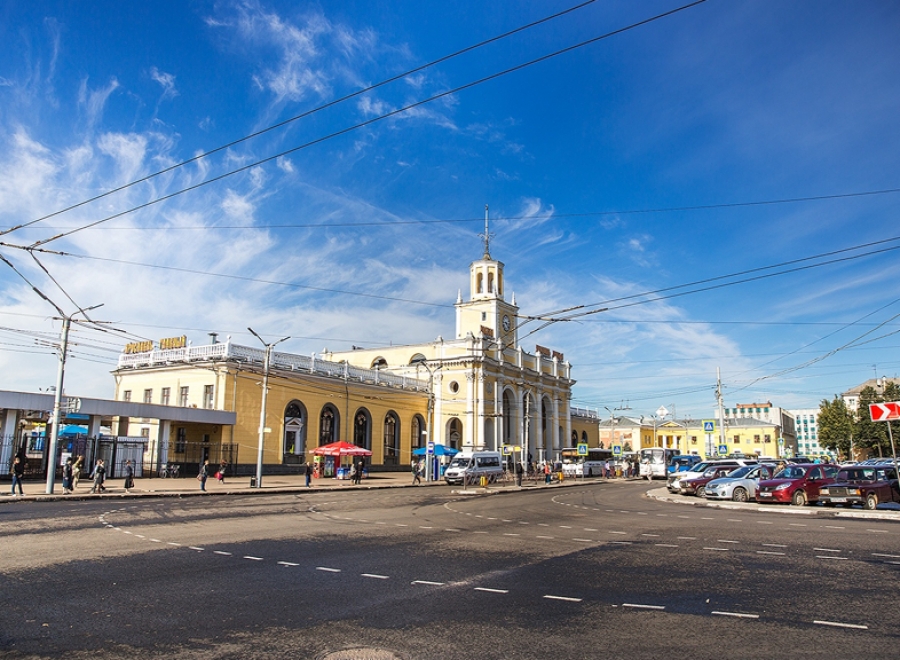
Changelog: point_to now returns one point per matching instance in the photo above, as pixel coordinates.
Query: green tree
(835, 423)
(874, 435)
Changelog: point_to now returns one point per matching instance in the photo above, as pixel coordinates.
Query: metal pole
(54, 432)
(891, 436)
(262, 410)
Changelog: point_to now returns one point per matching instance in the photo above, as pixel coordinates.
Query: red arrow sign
(883, 412)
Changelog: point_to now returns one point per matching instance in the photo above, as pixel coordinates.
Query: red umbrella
(341, 448)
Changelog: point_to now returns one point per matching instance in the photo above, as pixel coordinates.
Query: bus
(655, 462)
(591, 465)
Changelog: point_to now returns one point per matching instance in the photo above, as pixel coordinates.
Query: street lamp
(422, 362)
(262, 411)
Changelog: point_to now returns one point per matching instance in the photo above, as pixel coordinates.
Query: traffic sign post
(885, 412)
(582, 449)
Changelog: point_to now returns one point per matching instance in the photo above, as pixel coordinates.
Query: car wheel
(739, 495)
(799, 498)
(872, 501)
(701, 492)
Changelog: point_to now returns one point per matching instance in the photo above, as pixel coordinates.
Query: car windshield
(459, 462)
(791, 472)
(740, 472)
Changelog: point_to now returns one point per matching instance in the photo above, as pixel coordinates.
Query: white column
(437, 430)
(162, 440)
(480, 419)
(9, 436)
(556, 438)
(539, 422)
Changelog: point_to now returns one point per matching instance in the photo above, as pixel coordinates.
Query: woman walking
(18, 474)
(204, 475)
(129, 476)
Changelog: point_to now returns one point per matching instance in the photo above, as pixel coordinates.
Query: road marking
(653, 535)
(425, 527)
(774, 545)
(492, 591)
(738, 615)
(687, 517)
(429, 583)
(841, 625)
(707, 518)
(543, 537)
(612, 532)
(450, 529)
(665, 545)
(831, 557)
(565, 598)
(288, 563)
(543, 525)
(193, 547)
(584, 540)
(156, 540)
(796, 524)
(590, 529)
(825, 550)
(642, 513)
(764, 522)
(508, 534)
(566, 526)
(479, 532)
(140, 536)
(769, 552)
(253, 558)
(375, 576)
(718, 549)
(619, 542)
(734, 520)
(489, 518)
(834, 527)
(687, 538)
(878, 554)
(505, 520)
(173, 543)
(644, 607)
(221, 552)
(328, 570)
(726, 541)
(877, 531)
(402, 525)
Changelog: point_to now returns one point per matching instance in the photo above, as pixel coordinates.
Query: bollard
(484, 482)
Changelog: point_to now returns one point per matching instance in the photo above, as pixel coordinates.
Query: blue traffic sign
(582, 449)
(709, 426)
(723, 449)
(617, 450)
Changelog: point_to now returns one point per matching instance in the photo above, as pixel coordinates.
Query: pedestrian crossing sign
(709, 426)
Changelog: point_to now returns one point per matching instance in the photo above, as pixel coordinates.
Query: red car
(858, 484)
(797, 483)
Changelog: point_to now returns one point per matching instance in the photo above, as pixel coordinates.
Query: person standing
(519, 470)
(99, 476)
(308, 474)
(67, 476)
(18, 474)
(77, 466)
(417, 478)
(204, 475)
(129, 476)
(220, 475)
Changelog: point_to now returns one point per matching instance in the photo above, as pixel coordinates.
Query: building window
(391, 438)
(756, 439)
(328, 425)
(180, 440)
(148, 396)
(208, 402)
(693, 439)
(768, 438)
(145, 432)
(361, 427)
(164, 395)
(737, 439)
(126, 395)
(183, 396)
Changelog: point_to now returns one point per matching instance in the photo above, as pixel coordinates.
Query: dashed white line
(774, 545)
(653, 535)
(878, 554)
(877, 531)
(173, 543)
(764, 522)
(831, 557)
(796, 525)
(508, 534)
(566, 526)
(251, 558)
(841, 625)
(619, 542)
(687, 538)
(644, 607)
(194, 547)
(543, 537)
(328, 570)
(375, 576)
(825, 550)
(492, 591)
(222, 552)
(428, 582)
(718, 549)
(584, 540)
(726, 541)
(287, 563)
(769, 552)
(738, 615)
(834, 527)
(565, 598)
(613, 532)
(665, 545)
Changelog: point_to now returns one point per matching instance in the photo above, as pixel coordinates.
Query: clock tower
(487, 312)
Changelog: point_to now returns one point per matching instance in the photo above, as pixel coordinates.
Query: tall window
(417, 438)
(180, 440)
(126, 395)
(183, 396)
(294, 430)
(148, 396)
(455, 433)
(165, 393)
(361, 432)
(208, 401)
(328, 425)
(391, 438)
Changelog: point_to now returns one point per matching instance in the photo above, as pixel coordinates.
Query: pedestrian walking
(18, 474)
(220, 475)
(99, 476)
(308, 474)
(77, 467)
(519, 470)
(353, 472)
(547, 472)
(417, 478)
(67, 476)
(129, 476)
(359, 472)
(204, 475)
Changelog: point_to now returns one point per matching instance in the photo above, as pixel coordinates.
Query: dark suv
(862, 484)
(798, 484)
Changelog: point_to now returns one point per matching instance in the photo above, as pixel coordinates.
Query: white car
(740, 485)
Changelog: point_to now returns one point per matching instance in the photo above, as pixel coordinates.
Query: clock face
(506, 323)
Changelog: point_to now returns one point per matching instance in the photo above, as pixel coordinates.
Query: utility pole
(57, 398)
(721, 408)
(262, 410)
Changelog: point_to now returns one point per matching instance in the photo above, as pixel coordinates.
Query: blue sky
(594, 164)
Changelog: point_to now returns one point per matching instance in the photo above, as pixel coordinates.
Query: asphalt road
(595, 571)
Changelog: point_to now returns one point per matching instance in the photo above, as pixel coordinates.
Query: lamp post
(57, 398)
(429, 458)
(883, 385)
(262, 410)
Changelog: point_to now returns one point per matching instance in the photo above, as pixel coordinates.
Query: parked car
(675, 479)
(866, 485)
(740, 485)
(697, 485)
(797, 483)
(683, 463)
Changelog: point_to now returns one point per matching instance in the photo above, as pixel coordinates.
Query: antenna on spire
(486, 236)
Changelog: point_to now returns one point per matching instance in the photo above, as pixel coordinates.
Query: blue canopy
(73, 429)
(439, 450)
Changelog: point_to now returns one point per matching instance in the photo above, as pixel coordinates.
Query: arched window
(574, 437)
(294, 441)
(379, 363)
(362, 429)
(490, 283)
(417, 428)
(479, 283)
(454, 433)
(391, 438)
(584, 436)
(329, 425)
(418, 357)
(509, 422)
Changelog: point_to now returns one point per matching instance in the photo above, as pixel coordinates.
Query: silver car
(741, 484)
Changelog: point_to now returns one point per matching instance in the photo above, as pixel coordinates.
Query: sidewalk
(190, 486)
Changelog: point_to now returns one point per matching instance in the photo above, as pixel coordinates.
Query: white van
(471, 466)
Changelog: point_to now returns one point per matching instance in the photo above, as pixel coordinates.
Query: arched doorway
(417, 432)
(454, 432)
(391, 438)
(329, 425)
(294, 441)
(362, 429)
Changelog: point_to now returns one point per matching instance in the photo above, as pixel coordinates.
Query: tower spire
(486, 236)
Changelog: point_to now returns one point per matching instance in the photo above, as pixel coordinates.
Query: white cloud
(166, 81)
